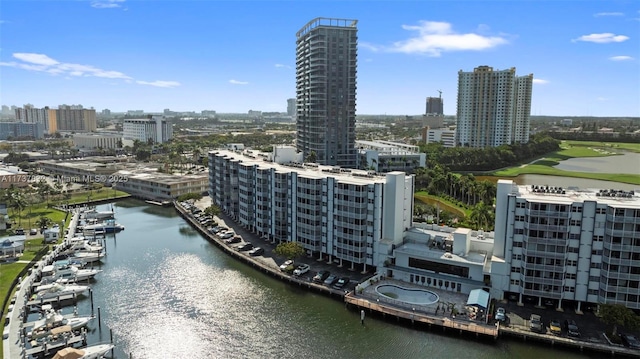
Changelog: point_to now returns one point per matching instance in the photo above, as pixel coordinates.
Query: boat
(87, 257)
(53, 290)
(83, 244)
(65, 271)
(108, 226)
(53, 319)
(90, 352)
(100, 215)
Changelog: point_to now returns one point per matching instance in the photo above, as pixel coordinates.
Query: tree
(290, 250)
(312, 157)
(44, 222)
(619, 315)
(212, 211)
(482, 216)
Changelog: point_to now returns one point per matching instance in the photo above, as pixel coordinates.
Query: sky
(236, 56)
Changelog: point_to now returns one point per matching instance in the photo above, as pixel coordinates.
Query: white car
(286, 264)
(302, 269)
(501, 314)
(227, 235)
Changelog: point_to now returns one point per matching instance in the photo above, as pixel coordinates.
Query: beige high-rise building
(76, 119)
(493, 107)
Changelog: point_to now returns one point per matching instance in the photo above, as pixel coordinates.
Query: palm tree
(482, 216)
(44, 222)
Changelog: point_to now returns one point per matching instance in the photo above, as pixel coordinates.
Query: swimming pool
(407, 295)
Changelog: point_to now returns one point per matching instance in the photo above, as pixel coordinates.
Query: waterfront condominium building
(493, 107)
(154, 128)
(326, 57)
(564, 245)
(344, 216)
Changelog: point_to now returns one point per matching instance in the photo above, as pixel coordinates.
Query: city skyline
(231, 58)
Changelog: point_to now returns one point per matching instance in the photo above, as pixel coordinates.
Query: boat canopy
(69, 353)
(61, 329)
(479, 298)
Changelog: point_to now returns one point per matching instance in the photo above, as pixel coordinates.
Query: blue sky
(236, 56)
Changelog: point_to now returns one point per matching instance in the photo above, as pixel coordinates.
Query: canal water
(168, 293)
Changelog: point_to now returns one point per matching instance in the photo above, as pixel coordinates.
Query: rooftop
(568, 195)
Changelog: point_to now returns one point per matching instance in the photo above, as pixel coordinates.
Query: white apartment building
(387, 156)
(155, 128)
(566, 245)
(148, 184)
(344, 216)
(493, 107)
(442, 135)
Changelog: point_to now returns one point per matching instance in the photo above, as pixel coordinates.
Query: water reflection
(626, 163)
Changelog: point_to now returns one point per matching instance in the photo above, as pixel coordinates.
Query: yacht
(91, 352)
(65, 271)
(108, 226)
(53, 319)
(99, 215)
(87, 257)
(54, 290)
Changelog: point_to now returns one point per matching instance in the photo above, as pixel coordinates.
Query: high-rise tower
(326, 61)
(493, 107)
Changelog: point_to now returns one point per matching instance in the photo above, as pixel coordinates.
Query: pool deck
(431, 315)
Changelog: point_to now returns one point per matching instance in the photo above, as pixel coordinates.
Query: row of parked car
(230, 237)
(322, 277)
(555, 326)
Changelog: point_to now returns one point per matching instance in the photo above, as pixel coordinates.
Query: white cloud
(236, 82)
(433, 38)
(38, 59)
(608, 14)
(283, 66)
(540, 81)
(43, 63)
(620, 58)
(602, 38)
(106, 4)
(166, 84)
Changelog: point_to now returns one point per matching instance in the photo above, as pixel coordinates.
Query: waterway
(168, 293)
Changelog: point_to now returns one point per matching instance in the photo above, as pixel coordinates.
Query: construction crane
(440, 92)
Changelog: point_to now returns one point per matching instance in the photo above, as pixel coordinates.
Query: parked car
(286, 264)
(245, 247)
(19, 231)
(630, 341)
(258, 251)
(227, 235)
(321, 276)
(234, 239)
(302, 269)
(331, 279)
(501, 314)
(341, 283)
(572, 328)
(33, 231)
(554, 327)
(535, 324)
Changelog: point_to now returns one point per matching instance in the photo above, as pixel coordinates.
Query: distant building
(387, 156)
(154, 128)
(21, 130)
(147, 183)
(135, 113)
(445, 136)
(493, 107)
(92, 141)
(255, 114)
(74, 118)
(291, 107)
(433, 121)
(208, 113)
(106, 112)
(44, 116)
(326, 66)
(12, 176)
(435, 106)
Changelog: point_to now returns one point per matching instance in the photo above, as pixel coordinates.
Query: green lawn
(575, 149)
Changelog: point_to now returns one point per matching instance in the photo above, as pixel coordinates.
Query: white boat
(53, 319)
(101, 215)
(91, 352)
(84, 245)
(87, 257)
(108, 226)
(54, 290)
(64, 271)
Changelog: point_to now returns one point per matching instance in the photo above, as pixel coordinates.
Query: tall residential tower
(493, 107)
(326, 56)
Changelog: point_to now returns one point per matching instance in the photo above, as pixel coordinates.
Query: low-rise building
(387, 156)
(97, 141)
(148, 183)
(12, 176)
(445, 136)
(79, 171)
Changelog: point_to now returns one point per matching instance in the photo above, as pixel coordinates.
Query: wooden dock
(463, 326)
(56, 302)
(51, 348)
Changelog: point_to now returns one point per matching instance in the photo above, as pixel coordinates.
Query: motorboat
(81, 244)
(53, 319)
(90, 352)
(108, 226)
(65, 271)
(54, 290)
(99, 215)
(87, 257)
